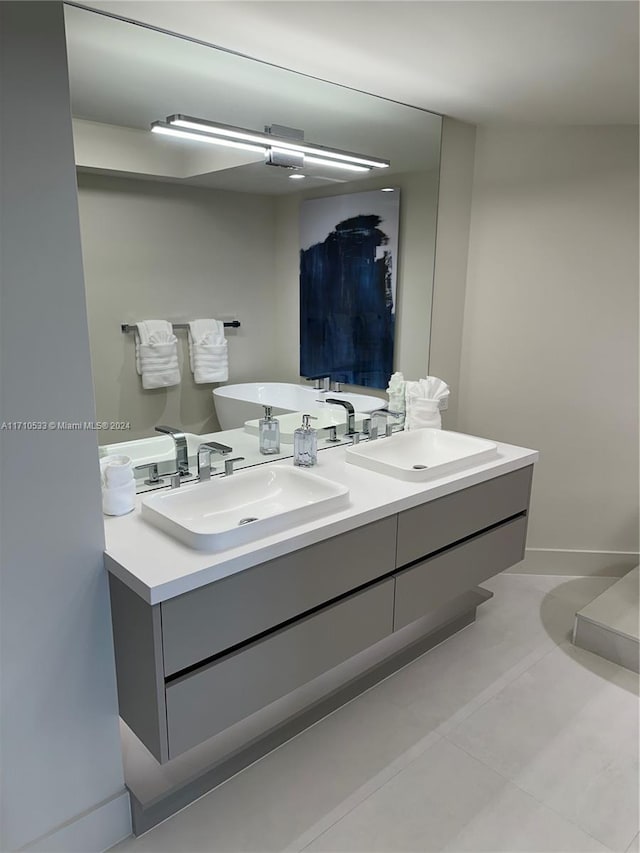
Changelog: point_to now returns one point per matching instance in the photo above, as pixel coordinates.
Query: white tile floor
(504, 738)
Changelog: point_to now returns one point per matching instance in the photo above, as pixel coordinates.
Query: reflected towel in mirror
(208, 354)
(157, 354)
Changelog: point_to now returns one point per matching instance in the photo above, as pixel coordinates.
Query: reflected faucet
(351, 418)
(320, 378)
(182, 451)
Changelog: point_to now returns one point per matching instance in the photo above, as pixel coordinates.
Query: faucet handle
(315, 380)
(152, 468)
(228, 464)
(333, 432)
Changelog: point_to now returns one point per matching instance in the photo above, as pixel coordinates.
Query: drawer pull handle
(420, 467)
(248, 520)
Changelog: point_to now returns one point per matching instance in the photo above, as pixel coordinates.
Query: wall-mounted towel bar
(131, 327)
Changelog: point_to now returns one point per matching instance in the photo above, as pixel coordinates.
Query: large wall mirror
(176, 229)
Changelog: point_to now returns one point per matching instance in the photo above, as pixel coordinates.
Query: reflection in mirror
(178, 230)
(348, 261)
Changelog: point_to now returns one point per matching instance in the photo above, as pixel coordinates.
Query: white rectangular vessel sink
(229, 511)
(422, 454)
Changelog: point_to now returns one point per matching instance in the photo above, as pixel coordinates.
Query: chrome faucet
(320, 378)
(205, 451)
(182, 451)
(381, 413)
(351, 417)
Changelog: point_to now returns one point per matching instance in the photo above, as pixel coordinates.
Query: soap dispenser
(269, 431)
(305, 444)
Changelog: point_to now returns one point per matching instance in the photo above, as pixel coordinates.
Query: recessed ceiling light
(297, 177)
(387, 190)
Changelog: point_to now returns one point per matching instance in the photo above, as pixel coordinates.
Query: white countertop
(158, 567)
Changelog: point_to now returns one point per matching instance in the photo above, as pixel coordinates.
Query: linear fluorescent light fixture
(167, 130)
(215, 133)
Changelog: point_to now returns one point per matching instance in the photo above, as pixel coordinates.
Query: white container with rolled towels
(118, 485)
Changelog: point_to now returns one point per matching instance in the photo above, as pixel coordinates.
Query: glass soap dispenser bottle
(269, 431)
(305, 444)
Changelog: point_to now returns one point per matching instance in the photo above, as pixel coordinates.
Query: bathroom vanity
(203, 640)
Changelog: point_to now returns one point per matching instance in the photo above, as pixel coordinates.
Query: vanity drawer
(210, 620)
(427, 585)
(219, 694)
(434, 525)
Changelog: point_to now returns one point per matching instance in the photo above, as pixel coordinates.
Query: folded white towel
(119, 500)
(208, 353)
(116, 470)
(422, 400)
(396, 392)
(430, 388)
(423, 413)
(157, 354)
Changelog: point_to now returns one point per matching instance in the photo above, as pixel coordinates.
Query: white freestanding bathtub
(236, 404)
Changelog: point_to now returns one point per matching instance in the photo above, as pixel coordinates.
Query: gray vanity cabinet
(435, 580)
(229, 689)
(454, 543)
(192, 666)
(213, 618)
(429, 527)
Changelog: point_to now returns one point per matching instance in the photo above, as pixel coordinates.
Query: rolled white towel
(116, 470)
(119, 500)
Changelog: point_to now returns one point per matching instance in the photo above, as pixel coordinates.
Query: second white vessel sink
(230, 511)
(422, 454)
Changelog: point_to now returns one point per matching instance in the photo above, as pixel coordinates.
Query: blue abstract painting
(348, 261)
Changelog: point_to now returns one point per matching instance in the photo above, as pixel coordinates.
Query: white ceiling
(569, 62)
(123, 77)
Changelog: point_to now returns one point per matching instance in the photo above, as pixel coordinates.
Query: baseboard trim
(557, 561)
(93, 831)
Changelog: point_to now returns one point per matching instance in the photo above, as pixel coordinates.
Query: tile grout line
(533, 796)
(538, 654)
(361, 794)
(539, 801)
(635, 837)
(413, 753)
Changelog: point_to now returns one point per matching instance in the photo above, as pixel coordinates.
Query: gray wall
(450, 274)
(550, 350)
(58, 711)
(158, 250)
